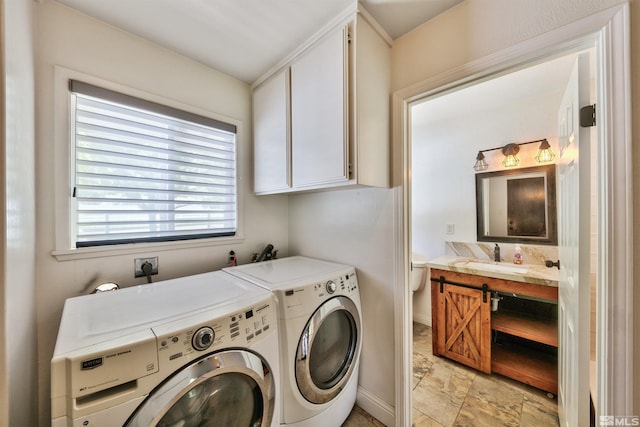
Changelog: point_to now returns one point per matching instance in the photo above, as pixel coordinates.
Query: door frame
(609, 33)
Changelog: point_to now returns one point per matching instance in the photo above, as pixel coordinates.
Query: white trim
(374, 406)
(615, 348)
(611, 28)
(364, 13)
(137, 248)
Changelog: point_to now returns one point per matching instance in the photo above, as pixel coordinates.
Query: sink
(497, 267)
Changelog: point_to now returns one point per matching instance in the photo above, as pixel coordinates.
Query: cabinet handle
(550, 263)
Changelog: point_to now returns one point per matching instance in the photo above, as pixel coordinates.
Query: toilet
(418, 272)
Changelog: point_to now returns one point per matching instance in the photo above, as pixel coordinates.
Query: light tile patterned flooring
(447, 394)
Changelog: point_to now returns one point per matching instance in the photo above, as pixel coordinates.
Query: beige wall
(72, 40)
(18, 376)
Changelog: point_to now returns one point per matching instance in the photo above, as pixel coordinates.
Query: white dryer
(319, 315)
(194, 351)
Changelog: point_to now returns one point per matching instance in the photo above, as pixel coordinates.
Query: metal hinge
(588, 116)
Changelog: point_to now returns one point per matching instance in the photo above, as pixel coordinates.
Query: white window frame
(64, 162)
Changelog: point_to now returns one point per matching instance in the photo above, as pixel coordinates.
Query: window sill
(141, 248)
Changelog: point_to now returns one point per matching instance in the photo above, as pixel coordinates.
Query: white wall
(18, 371)
(443, 179)
(72, 40)
(356, 227)
(443, 154)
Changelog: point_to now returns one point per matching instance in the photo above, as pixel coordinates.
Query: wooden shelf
(530, 366)
(531, 328)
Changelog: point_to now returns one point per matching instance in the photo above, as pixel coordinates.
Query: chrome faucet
(496, 253)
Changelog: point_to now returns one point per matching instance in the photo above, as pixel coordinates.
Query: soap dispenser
(517, 255)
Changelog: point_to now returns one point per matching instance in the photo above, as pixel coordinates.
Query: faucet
(496, 253)
(266, 254)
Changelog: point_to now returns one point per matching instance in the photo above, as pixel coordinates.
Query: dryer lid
(285, 272)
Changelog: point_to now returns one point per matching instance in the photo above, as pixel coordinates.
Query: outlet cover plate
(137, 266)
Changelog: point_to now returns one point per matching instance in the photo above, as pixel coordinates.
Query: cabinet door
(464, 326)
(319, 89)
(272, 149)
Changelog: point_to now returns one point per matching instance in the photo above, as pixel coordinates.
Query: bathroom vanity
(518, 340)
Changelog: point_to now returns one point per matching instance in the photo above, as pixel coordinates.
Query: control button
(203, 338)
(163, 343)
(174, 340)
(331, 286)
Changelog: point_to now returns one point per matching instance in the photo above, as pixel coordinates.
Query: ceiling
(246, 38)
(546, 78)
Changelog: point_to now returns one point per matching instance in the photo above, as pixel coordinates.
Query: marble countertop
(527, 273)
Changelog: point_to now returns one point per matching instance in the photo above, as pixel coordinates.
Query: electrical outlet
(139, 262)
(451, 228)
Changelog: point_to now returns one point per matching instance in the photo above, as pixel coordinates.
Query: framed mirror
(517, 206)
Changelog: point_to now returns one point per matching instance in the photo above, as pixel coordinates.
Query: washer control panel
(189, 338)
(299, 300)
(341, 285)
(203, 338)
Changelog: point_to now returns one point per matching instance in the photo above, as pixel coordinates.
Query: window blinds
(145, 172)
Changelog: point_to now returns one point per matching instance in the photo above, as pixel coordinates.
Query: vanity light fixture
(510, 152)
(481, 163)
(544, 152)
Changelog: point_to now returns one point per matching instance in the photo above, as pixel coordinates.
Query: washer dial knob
(331, 287)
(203, 338)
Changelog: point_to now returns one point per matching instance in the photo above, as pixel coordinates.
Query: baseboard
(421, 318)
(379, 409)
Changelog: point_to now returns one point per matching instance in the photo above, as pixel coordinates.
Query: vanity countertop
(527, 273)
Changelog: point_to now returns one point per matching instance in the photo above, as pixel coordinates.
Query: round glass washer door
(328, 350)
(231, 388)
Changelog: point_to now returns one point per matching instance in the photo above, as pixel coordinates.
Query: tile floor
(449, 394)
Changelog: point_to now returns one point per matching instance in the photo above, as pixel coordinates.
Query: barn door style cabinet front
(463, 325)
(322, 120)
(519, 340)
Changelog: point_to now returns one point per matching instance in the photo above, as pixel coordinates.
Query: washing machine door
(231, 388)
(328, 350)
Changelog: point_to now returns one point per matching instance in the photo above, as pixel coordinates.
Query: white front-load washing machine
(319, 322)
(195, 351)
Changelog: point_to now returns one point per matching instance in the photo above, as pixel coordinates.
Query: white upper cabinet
(272, 142)
(319, 81)
(322, 121)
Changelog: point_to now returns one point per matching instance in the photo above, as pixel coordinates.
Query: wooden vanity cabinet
(519, 341)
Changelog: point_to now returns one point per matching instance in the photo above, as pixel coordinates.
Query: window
(144, 172)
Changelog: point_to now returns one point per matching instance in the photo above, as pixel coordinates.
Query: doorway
(615, 386)
(446, 132)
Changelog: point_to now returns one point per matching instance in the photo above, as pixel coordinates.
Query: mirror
(517, 206)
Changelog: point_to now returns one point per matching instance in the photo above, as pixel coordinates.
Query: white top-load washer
(319, 316)
(198, 350)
